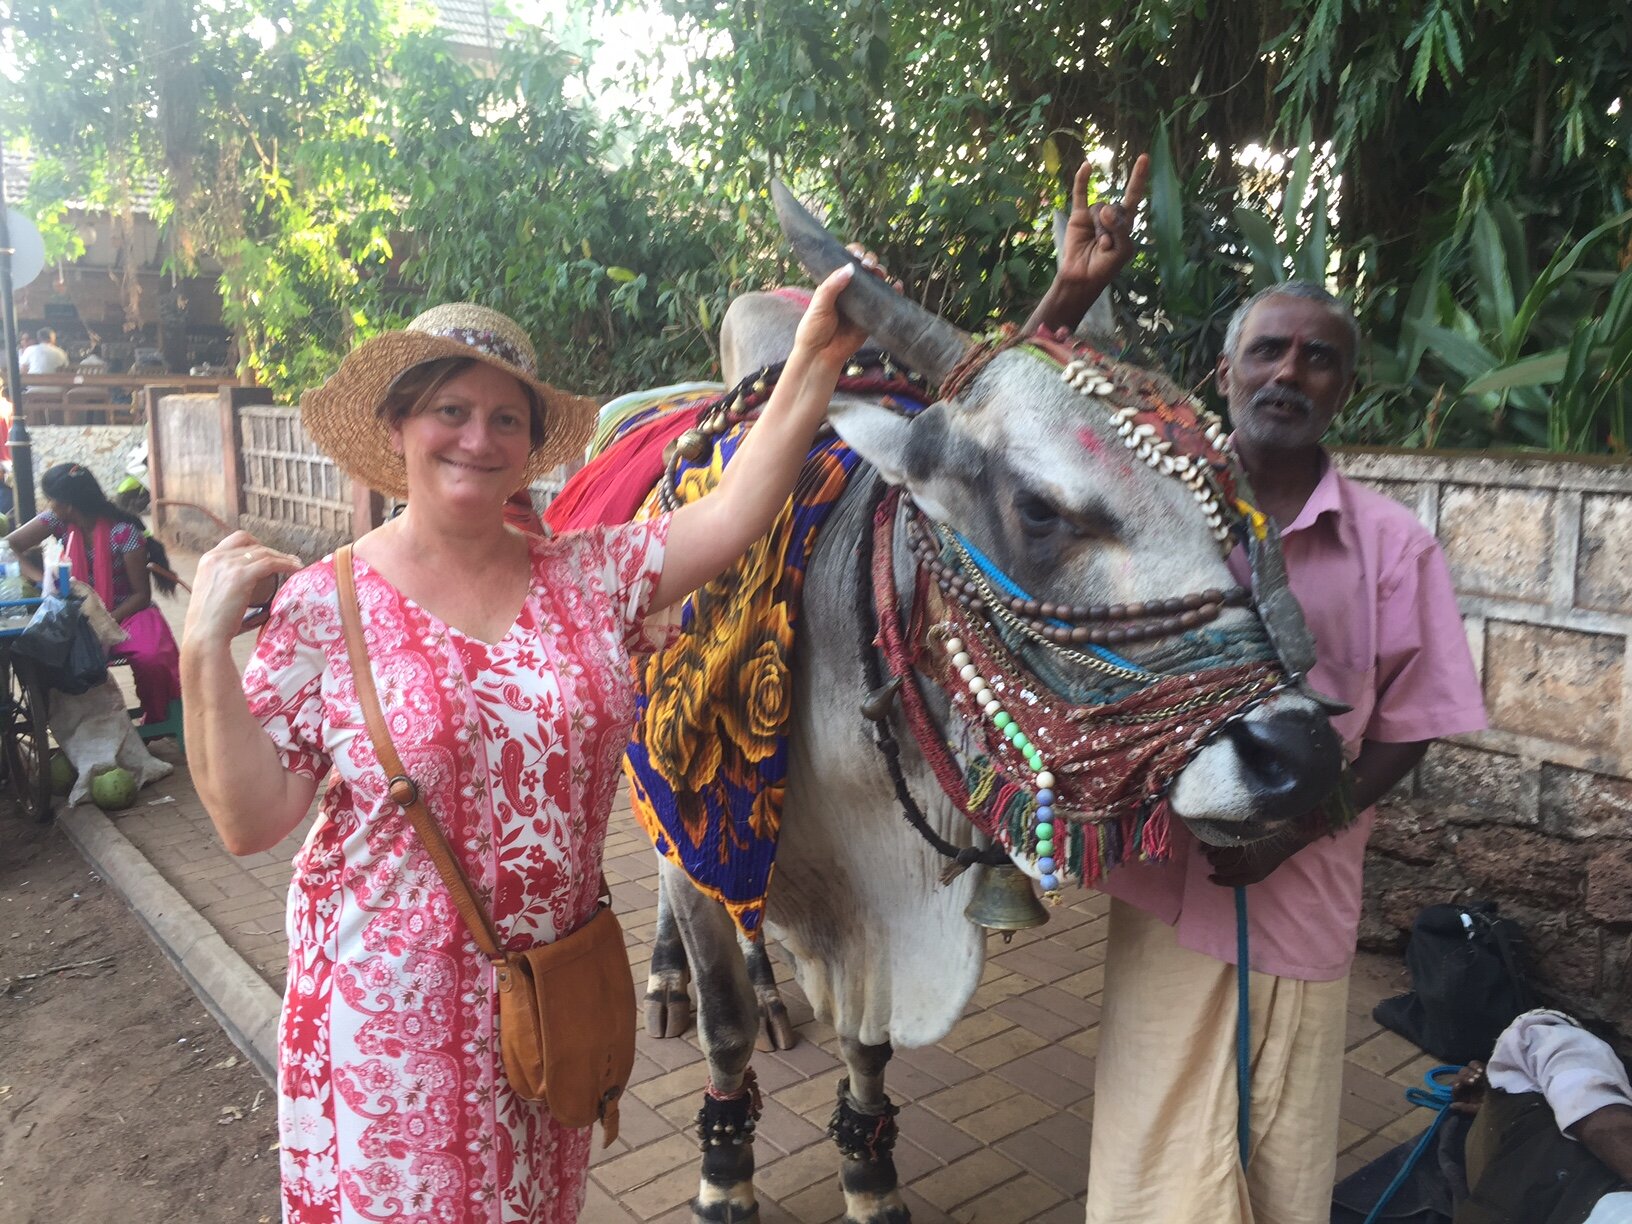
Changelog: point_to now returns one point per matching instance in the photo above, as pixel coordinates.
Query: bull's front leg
(727, 1023)
(864, 1128)
(776, 1031)
(668, 982)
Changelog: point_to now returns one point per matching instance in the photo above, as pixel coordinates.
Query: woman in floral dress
(502, 662)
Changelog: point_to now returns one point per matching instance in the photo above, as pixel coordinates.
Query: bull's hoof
(897, 1214)
(725, 1211)
(871, 1193)
(776, 1031)
(668, 1012)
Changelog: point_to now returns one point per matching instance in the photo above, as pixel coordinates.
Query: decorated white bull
(1019, 644)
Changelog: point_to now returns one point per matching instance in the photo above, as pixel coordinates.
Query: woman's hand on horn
(826, 336)
(871, 263)
(238, 573)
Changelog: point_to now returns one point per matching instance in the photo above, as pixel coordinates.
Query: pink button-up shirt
(1389, 641)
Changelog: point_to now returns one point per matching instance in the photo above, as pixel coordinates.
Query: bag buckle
(607, 1097)
(403, 792)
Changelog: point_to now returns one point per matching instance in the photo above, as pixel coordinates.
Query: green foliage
(915, 144)
(1179, 299)
(255, 157)
(344, 167)
(1500, 356)
(567, 239)
(48, 187)
(1496, 101)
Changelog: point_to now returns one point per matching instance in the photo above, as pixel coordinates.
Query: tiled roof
(474, 23)
(20, 171)
(482, 25)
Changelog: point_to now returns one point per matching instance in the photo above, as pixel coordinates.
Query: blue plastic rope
(1013, 590)
(997, 576)
(1243, 1031)
(1435, 1096)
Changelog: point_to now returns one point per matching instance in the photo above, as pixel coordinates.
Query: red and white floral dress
(392, 1099)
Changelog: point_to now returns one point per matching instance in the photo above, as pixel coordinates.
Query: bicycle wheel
(24, 737)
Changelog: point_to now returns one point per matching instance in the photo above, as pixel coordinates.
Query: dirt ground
(120, 1098)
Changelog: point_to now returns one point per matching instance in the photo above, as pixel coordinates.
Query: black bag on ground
(1465, 982)
(61, 640)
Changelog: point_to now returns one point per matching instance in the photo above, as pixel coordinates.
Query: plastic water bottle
(51, 556)
(11, 575)
(12, 616)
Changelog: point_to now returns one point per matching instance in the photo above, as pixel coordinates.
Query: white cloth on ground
(94, 731)
(1612, 1209)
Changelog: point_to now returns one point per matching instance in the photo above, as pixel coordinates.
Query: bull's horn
(927, 343)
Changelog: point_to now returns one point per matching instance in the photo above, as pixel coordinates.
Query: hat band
(491, 343)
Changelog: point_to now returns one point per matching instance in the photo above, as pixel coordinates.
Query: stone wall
(1535, 812)
(105, 449)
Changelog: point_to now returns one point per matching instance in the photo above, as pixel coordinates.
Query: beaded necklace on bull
(1043, 742)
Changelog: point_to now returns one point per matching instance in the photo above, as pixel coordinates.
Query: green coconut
(113, 789)
(63, 774)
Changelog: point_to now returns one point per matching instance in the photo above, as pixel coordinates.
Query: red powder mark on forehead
(1111, 456)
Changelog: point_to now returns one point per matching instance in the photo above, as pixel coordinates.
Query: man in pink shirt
(1389, 641)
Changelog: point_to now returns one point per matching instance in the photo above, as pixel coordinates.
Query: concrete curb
(241, 1002)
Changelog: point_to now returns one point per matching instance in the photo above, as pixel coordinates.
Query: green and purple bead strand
(980, 690)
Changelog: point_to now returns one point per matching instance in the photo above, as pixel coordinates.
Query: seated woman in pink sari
(109, 550)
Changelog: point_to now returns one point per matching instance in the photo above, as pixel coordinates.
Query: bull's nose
(1290, 761)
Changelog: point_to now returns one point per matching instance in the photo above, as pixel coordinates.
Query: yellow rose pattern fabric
(708, 764)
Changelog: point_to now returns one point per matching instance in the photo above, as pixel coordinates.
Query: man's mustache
(1286, 396)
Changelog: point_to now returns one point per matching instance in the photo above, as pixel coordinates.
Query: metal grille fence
(287, 479)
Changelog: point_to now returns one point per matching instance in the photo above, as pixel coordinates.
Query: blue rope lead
(1243, 1030)
(1435, 1096)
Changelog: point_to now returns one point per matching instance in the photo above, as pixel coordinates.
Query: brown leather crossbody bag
(566, 1009)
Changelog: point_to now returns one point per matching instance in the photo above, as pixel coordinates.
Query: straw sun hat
(342, 416)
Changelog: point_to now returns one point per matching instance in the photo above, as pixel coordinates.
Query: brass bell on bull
(1005, 901)
(693, 444)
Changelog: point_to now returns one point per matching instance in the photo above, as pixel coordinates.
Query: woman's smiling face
(469, 443)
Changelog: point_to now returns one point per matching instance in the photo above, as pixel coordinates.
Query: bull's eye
(1041, 519)
(1037, 517)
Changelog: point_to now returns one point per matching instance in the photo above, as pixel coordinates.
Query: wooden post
(367, 509)
(232, 454)
(232, 439)
(155, 461)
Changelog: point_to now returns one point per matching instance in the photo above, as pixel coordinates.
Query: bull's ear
(884, 437)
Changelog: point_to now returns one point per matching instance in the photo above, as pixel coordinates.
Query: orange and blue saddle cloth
(708, 761)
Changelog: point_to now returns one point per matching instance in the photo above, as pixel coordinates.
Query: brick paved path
(994, 1122)
(995, 1119)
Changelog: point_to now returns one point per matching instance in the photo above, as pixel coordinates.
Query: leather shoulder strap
(402, 788)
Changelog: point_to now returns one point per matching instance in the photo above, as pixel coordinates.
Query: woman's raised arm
(254, 801)
(710, 533)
